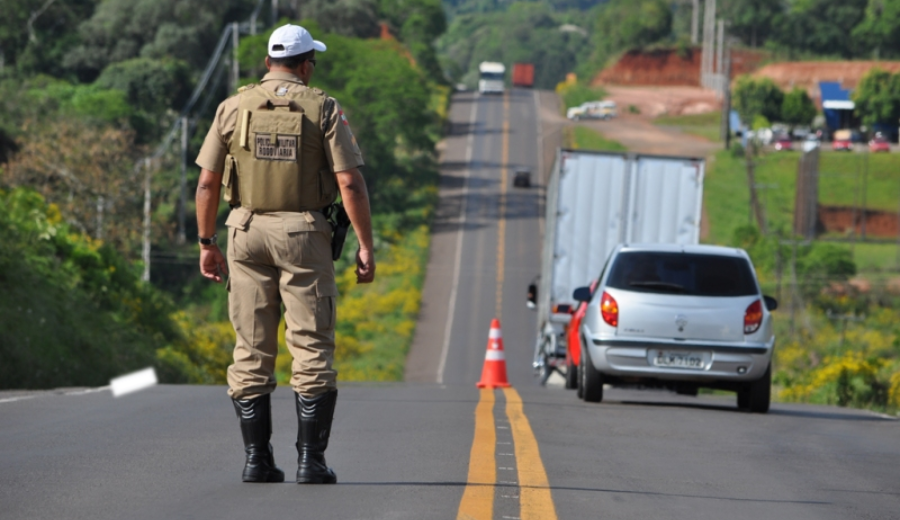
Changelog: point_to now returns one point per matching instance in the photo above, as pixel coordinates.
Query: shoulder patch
(247, 87)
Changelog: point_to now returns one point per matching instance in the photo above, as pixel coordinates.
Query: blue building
(839, 111)
(837, 106)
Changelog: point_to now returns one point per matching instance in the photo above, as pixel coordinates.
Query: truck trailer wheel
(591, 386)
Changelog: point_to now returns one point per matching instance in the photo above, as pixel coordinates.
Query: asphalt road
(435, 446)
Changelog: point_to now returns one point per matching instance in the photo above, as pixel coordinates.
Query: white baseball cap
(291, 40)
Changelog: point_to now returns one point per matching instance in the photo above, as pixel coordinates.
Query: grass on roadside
(705, 125)
(727, 199)
(584, 138)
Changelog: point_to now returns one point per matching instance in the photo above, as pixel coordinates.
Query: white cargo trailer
(596, 200)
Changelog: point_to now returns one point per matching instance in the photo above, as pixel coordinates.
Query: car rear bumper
(631, 360)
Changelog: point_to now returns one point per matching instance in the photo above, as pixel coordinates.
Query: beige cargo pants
(276, 258)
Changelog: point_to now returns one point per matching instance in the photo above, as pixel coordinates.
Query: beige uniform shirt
(340, 144)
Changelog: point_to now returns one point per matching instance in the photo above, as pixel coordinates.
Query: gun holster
(340, 224)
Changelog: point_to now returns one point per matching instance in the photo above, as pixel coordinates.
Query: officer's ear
(268, 64)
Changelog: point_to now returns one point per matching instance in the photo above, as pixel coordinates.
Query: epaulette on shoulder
(247, 87)
(319, 92)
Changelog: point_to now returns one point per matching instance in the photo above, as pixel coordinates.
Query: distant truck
(595, 201)
(523, 75)
(491, 77)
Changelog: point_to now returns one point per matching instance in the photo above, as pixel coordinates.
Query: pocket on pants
(326, 302)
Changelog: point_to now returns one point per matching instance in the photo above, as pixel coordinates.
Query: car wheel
(591, 386)
(756, 396)
(760, 393)
(571, 374)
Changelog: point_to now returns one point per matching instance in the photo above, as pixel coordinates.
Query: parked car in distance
(678, 317)
(842, 140)
(593, 110)
(879, 144)
(842, 145)
(783, 143)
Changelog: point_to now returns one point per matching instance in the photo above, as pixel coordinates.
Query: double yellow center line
(535, 500)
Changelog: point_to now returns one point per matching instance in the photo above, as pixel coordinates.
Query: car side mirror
(532, 296)
(771, 303)
(582, 294)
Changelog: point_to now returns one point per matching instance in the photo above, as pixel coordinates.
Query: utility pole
(898, 237)
(862, 232)
(182, 200)
(695, 22)
(145, 253)
(709, 43)
(98, 234)
(274, 12)
(235, 65)
(720, 55)
(754, 197)
(725, 129)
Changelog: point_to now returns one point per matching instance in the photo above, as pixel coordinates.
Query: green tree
(355, 18)
(880, 30)
(797, 108)
(527, 32)
(822, 27)
(35, 35)
(627, 24)
(753, 21)
(757, 97)
(151, 88)
(877, 97)
(123, 29)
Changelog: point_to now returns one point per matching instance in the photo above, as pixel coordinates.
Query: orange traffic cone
(493, 375)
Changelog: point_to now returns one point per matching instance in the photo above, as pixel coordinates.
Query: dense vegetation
(561, 36)
(88, 88)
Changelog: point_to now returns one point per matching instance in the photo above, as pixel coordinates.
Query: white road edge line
(14, 399)
(88, 391)
(448, 327)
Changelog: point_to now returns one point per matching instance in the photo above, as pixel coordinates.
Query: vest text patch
(284, 149)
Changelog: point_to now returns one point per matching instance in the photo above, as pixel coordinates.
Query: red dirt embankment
(839, 219)
(808, 74)
(669, 67)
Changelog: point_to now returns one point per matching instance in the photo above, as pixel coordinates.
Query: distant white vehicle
(491, 79)
(593, 110)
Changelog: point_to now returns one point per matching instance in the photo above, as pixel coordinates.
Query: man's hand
(212, 263)
(365, 266)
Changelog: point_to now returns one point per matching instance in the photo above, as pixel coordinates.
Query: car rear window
(682, 273)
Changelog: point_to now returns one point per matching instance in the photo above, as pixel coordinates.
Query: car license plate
(678, 359)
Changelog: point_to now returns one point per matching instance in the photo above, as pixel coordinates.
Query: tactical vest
(277, 158)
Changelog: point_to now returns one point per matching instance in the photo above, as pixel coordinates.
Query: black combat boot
(314, 415)
(256, 428)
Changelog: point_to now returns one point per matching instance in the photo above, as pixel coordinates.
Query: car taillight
(609, 309)
(753, 317)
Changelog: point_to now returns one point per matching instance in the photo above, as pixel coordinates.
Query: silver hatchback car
(678, 317)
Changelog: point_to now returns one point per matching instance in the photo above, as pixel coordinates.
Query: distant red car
(879, 144)
(842, 145)
(573, 343)
(783, 143)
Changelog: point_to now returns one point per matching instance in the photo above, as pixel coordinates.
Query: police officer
(280, 152)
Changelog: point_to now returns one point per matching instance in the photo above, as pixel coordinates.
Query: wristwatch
(208, 241)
